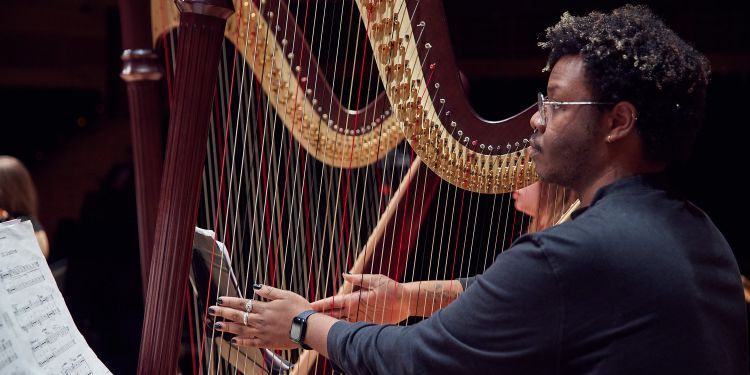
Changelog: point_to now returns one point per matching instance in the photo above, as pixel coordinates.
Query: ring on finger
(244, 318)
(249, 306)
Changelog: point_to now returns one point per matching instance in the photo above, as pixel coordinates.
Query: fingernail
(257, 286)
(212, 310)
(220, 302)
(218, 325)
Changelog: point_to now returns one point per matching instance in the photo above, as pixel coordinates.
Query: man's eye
(556, 106)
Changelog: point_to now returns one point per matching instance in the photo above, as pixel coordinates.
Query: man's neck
(587, 191)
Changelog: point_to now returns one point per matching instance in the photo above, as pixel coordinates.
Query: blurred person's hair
(17, 192)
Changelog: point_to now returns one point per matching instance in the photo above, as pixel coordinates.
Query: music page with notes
(37, 333)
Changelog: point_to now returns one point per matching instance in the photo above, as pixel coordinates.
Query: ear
(623, 118)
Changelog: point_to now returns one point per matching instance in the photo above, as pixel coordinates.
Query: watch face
(295, 332)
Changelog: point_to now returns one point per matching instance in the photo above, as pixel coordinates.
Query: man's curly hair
(631, 55)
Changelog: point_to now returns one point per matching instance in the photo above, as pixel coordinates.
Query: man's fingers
(323, 304)
(238, 315)
(269, 292)
(251, 342)
(234, 302)
(365, 280)
(227, 313)
(329, 303)
(237, 329)
(347, 301)
(335, 313)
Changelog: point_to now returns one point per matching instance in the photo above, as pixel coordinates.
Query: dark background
(64, 114)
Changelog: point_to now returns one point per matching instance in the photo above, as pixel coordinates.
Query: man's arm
(509, 320)
(318, 326)
(426, 297)
(383, 300)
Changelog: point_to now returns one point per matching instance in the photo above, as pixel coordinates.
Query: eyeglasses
(542, 101)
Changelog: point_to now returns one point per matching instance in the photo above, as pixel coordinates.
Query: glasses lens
(542, 115)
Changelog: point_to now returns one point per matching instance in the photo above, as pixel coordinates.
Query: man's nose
(536, 122)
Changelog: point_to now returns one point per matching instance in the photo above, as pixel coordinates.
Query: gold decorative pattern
(454, 161)
(286, 94)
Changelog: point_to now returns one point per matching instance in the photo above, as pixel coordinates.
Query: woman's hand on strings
(380, 300)
(266, 324)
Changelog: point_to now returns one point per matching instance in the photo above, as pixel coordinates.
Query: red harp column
(141, 73)
(202, 26)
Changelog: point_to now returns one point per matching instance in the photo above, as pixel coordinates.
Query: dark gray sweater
(641, 282)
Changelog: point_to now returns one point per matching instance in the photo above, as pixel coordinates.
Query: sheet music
(37, 333)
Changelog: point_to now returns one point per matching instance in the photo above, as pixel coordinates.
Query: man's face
(567, 150)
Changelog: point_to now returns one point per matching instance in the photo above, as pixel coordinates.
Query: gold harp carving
(310, 127)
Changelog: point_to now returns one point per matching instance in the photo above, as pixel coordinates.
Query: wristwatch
(299, 328)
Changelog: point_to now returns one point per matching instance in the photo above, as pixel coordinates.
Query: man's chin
(545, 176)
(533, 153)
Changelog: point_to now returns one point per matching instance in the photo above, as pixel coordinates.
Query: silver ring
(249, 305)
(244, 318)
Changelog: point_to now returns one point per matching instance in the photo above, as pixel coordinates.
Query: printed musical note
(31, 304)
(37, 321)
(19, 270)
(76, 366)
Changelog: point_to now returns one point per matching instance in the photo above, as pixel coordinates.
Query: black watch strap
(301, 318)
(306, 314)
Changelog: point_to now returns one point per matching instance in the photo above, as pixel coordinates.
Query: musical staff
(32, 304)
(76, 366)
(51, 336)
(56, 353)
(19, 270)
(7, 356)
(20, 277)
(37, 321)
(37, 333)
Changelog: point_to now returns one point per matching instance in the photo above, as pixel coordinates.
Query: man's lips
(535, 145)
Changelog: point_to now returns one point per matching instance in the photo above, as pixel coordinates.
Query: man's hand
(380, 300)
(268, 323)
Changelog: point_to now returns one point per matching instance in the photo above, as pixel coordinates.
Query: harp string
(421, 207)
(304, 281)
(357, 245)
(328, 229)
(390, 256)
(435, 226)
(233, 182)
(238, 182)
(335, 255)
(221, 118)
(227, 199)
(383, 242)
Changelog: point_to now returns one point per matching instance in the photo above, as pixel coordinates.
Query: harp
(292, 171)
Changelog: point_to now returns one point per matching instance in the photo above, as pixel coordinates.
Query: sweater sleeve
(466, 281)
(509, 321)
